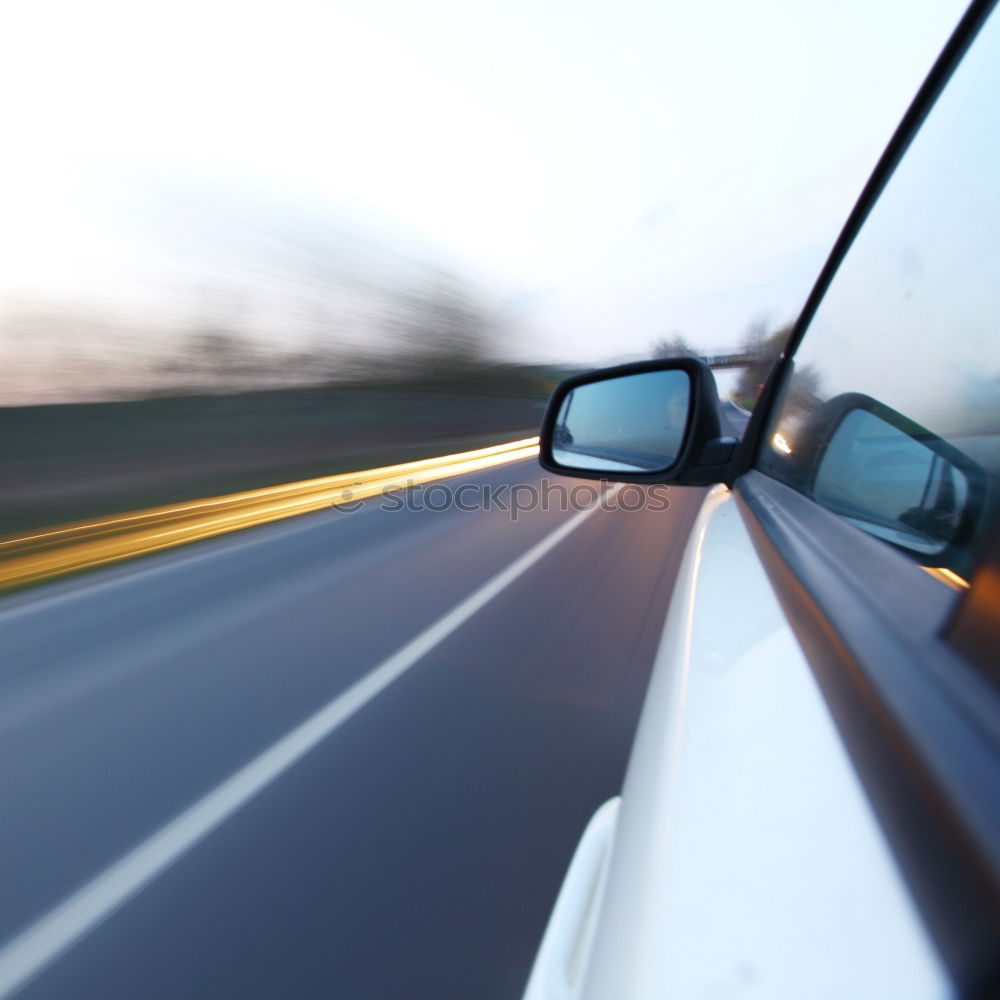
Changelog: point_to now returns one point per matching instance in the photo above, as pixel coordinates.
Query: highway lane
(417, 849)
(734, 418)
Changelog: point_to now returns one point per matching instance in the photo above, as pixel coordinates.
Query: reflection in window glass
(890, 484)
(911, 316)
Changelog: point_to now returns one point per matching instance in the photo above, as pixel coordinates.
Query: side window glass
(891, 417)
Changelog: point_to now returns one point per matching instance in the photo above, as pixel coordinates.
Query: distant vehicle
(812, 807)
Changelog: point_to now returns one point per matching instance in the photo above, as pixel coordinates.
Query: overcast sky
(609, 171)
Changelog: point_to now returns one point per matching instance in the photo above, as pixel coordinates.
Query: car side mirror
(651, 422)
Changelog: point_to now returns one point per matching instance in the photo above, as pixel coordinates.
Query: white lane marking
(28, 953)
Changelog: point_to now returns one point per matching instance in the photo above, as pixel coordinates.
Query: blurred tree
(217, 350)
(213, 358)
(764, 348)
(674, 346)
(439, 325)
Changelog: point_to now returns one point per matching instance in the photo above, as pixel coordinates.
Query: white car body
(743, 858)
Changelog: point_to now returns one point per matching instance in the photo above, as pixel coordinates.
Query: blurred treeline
(231, 352)
(286, 333)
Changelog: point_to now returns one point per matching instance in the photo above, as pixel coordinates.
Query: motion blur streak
(41, 555)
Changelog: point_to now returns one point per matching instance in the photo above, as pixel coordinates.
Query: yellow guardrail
(70, 548)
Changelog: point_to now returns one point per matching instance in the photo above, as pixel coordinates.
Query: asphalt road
(412, 850)
(734, 419)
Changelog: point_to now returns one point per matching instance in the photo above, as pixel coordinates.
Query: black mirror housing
(703, 456)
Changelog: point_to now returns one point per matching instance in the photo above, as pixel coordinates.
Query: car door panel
(746, 857)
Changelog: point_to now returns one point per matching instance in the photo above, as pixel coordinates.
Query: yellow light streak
(953, 580)
(45, 554)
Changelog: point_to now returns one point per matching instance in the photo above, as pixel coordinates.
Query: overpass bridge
(729, 359)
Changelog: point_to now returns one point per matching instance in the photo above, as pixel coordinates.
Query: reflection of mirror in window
(632, 423)
(890, 484)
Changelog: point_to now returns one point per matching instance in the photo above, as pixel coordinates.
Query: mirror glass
(632, 423)
(890, 484)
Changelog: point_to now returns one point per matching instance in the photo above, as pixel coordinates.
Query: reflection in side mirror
(893, 485)
(630, 423)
